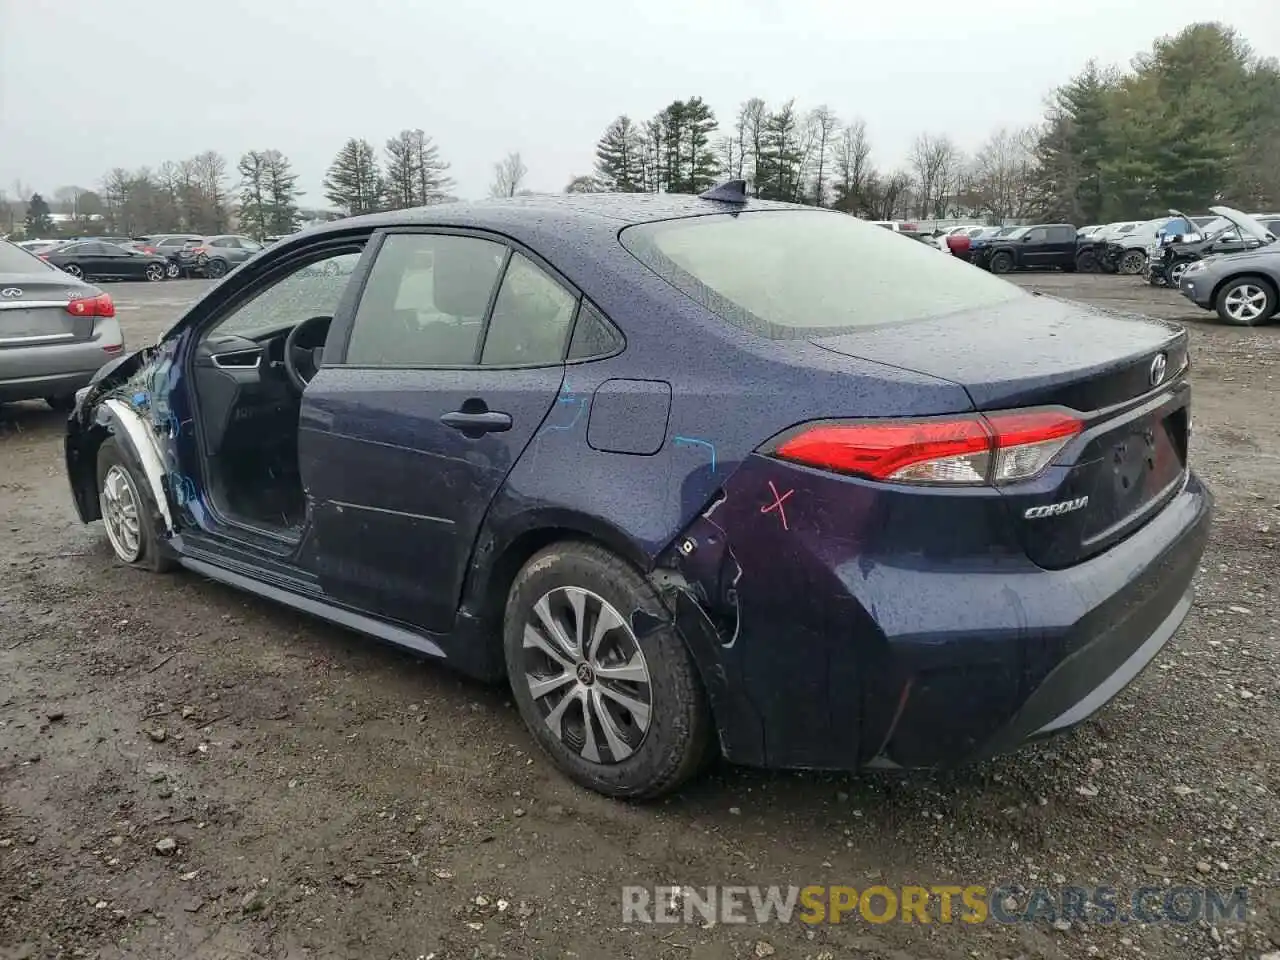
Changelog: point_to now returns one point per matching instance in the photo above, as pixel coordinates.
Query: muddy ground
(320, 796)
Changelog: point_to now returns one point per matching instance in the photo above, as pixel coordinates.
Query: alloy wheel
(74, 270)
(1175, 273)
(120, 504)
(1246, 303)
(155, 272)
(171, 270)
(587, 675)
(1132, 262)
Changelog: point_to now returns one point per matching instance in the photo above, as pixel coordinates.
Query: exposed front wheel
(171, 270)
(126, 512)
(618, 710)
(1247, 302)
(1176, 271)
(1001, 263)
(1132, 262)
(155, 272)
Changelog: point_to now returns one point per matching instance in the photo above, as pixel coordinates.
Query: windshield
(790, 274)
(13, 259)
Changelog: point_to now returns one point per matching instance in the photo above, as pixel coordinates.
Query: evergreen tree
(281, 193)
(416, 176)
(778, 174)
(38, 223)
(620, 166)
(701, 166)
(254, 196)
(353, 182)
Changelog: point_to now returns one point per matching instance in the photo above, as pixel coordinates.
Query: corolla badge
(1158, 365)
(1056, 509)
(11, 292)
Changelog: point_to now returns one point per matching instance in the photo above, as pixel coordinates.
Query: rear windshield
(789, 274)
(13, 259)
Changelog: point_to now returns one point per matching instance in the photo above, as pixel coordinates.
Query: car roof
(620, 208)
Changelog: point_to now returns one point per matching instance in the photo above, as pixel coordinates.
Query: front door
(429, 392)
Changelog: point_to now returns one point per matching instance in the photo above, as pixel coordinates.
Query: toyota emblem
(1157, 369)
(11, 292)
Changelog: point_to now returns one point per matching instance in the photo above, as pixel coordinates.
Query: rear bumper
(845, 656)
(54, 369)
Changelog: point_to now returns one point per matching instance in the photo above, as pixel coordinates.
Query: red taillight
(99, 306)
(198, 250)
(44, 256)
(970, 450)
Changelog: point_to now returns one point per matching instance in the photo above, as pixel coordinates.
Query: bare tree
(824, 122)
(1004, 175)
(933, 161)
(852, 157)
(752, 118)
(508, 176)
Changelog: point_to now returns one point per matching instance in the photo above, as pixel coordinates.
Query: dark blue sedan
(698, 476)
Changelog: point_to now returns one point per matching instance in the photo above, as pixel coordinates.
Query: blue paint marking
(141, 398)
(184, 489)
(694, 441)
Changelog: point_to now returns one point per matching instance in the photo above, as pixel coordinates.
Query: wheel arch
(114, 419)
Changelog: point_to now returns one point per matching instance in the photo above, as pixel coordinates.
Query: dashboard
(246, 397)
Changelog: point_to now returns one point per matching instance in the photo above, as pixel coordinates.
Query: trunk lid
(33, 310)
(1125, 376)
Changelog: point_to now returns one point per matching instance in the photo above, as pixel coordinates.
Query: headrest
(462, 278)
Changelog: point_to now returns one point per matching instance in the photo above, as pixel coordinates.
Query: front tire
(171, 270)
(126, 512)
(621, 714)
(63, 403)
(1001, 262)
(1246, 302)
(1132, 262)
(155, 272)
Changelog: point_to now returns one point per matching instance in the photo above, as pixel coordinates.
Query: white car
(970, 230)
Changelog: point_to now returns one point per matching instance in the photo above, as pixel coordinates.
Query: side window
(425, 301)
(1038, 235)
(1062, 234)
(309, 291)
(593, 336)
(531, 317)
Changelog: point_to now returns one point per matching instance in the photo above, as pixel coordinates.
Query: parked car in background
(1232, 232)
(215, 256)
(1038, 247)
(107, 261)
(897, 226)
(968, 230)
(141, 246)
(56, 331)
(475, 440)
(170, 245)
(1243, 287)
(1128, 252)
(1089, 231)
(40, 246)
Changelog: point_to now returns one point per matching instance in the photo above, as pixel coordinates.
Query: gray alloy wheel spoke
(554, 629)
(587, 678)
(533, 639)
(120, 514)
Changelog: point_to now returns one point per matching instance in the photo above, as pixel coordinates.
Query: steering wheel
(302, 362)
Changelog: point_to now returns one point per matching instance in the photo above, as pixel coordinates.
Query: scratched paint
(697, 442)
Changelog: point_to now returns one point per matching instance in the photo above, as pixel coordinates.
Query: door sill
(298, 593)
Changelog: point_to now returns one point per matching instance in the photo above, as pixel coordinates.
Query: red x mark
(777, 504)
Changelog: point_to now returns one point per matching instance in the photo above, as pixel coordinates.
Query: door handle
(491, 421)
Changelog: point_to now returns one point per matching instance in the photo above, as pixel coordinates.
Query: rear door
(1035, 251)
(1062, 246)
(430, 390)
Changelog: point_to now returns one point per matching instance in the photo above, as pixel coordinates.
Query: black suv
(1038, 247)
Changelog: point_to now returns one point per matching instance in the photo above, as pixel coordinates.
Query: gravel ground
(188, 772)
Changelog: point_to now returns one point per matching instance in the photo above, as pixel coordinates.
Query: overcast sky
(86, 85)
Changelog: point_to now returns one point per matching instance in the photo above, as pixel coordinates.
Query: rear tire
(126, 512)
(1086, 262)
(155, 272)
(1246, 302)
(1001, 262)
(215, 269)
(72, 269)
(621, 714)
(63, 403)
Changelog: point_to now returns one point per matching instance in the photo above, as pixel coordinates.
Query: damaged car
(674, 472)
